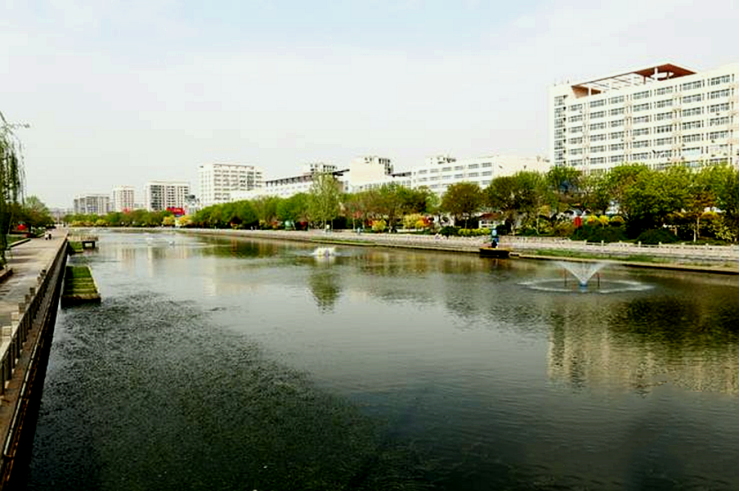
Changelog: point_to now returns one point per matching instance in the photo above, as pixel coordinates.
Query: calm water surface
(233, 364)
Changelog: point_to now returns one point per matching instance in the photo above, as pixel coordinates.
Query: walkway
(26, 260)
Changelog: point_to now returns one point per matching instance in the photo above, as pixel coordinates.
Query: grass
(78, 280)
(76, 247)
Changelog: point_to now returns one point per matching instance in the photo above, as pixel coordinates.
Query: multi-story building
(440, 171)
(285, 187)
(92, 204)
(661, 115)
(160, 195)
(122, 198)
(218, 181)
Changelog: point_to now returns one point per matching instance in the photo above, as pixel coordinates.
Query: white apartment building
(661, 115)
(286, 187)
(440, 171)
(122, 198)
(92, 204)
(218, 181)
(160, 195)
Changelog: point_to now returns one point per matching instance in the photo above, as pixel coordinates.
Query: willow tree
(11, 180)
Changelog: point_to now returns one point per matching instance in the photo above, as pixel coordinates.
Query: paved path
(27, 260)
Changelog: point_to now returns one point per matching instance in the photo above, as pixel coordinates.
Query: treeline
(626, 202)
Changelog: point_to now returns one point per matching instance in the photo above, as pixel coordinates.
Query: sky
(120, 92)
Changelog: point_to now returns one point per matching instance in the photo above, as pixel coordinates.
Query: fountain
(582, 271)
(324, 252)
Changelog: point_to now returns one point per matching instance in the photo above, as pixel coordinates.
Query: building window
(717, 94)
(616, 123)
(715, 108)
(616, 158)
(719, 121)
(641, 144)
(615, 147)
(694, 111)
(691, 125)
(598, 149)
(688, 99)
(598, 138)
(666, 128)
(663, 116)
(641, 120)
(616, 135)
(575, 151)
(486, 164)
(616, 111)
(664, 90)
(575, 119)
(597, 103)
(641, 95)
(597, 126)
(575, 141)
(663, 141)
(692, 85)
(664, 103)
(598, 114)
(575, 107)
(598, 160)
(617, 100)
(724, 79)
(716, 135)
(641, 131)
(641, 107)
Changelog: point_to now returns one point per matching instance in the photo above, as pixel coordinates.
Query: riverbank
(711, 259)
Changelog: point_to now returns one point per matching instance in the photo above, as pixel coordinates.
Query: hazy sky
(118, 92)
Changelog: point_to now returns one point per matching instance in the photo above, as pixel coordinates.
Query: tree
(723, 180)
(462, 200)
(501, 195)
(266, 209)
(11, 180)
(35, 213)
(530, 195)
(652, 196)
(323, 199)
(293, 209)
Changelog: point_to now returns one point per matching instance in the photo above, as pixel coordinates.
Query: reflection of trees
(647, 342)
(323, 281)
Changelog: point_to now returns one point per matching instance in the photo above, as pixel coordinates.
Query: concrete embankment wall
(28, 314)
(712, 258)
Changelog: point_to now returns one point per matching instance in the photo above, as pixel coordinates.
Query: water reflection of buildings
(594, 355)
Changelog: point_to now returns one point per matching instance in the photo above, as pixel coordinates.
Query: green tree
(723, 180)
(293, 209)
(266, 209)
(11, 180)
(651, 198)
(462, 200)
(35, 213)
(323, 199)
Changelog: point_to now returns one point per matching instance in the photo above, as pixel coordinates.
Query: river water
(229, 364)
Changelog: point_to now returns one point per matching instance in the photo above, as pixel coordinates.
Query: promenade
(28, 305)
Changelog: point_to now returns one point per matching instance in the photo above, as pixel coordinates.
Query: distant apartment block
(218, 181)
(285, 187)
(89, 204)
(122, 198)
(160, 195)
(661, 115)
(440, 171)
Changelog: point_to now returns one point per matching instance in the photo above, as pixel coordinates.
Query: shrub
(656, 236)
(616, 221)
(597, 233)
(379, 225)
(448, 231)
(564, 229)
(592, 220)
